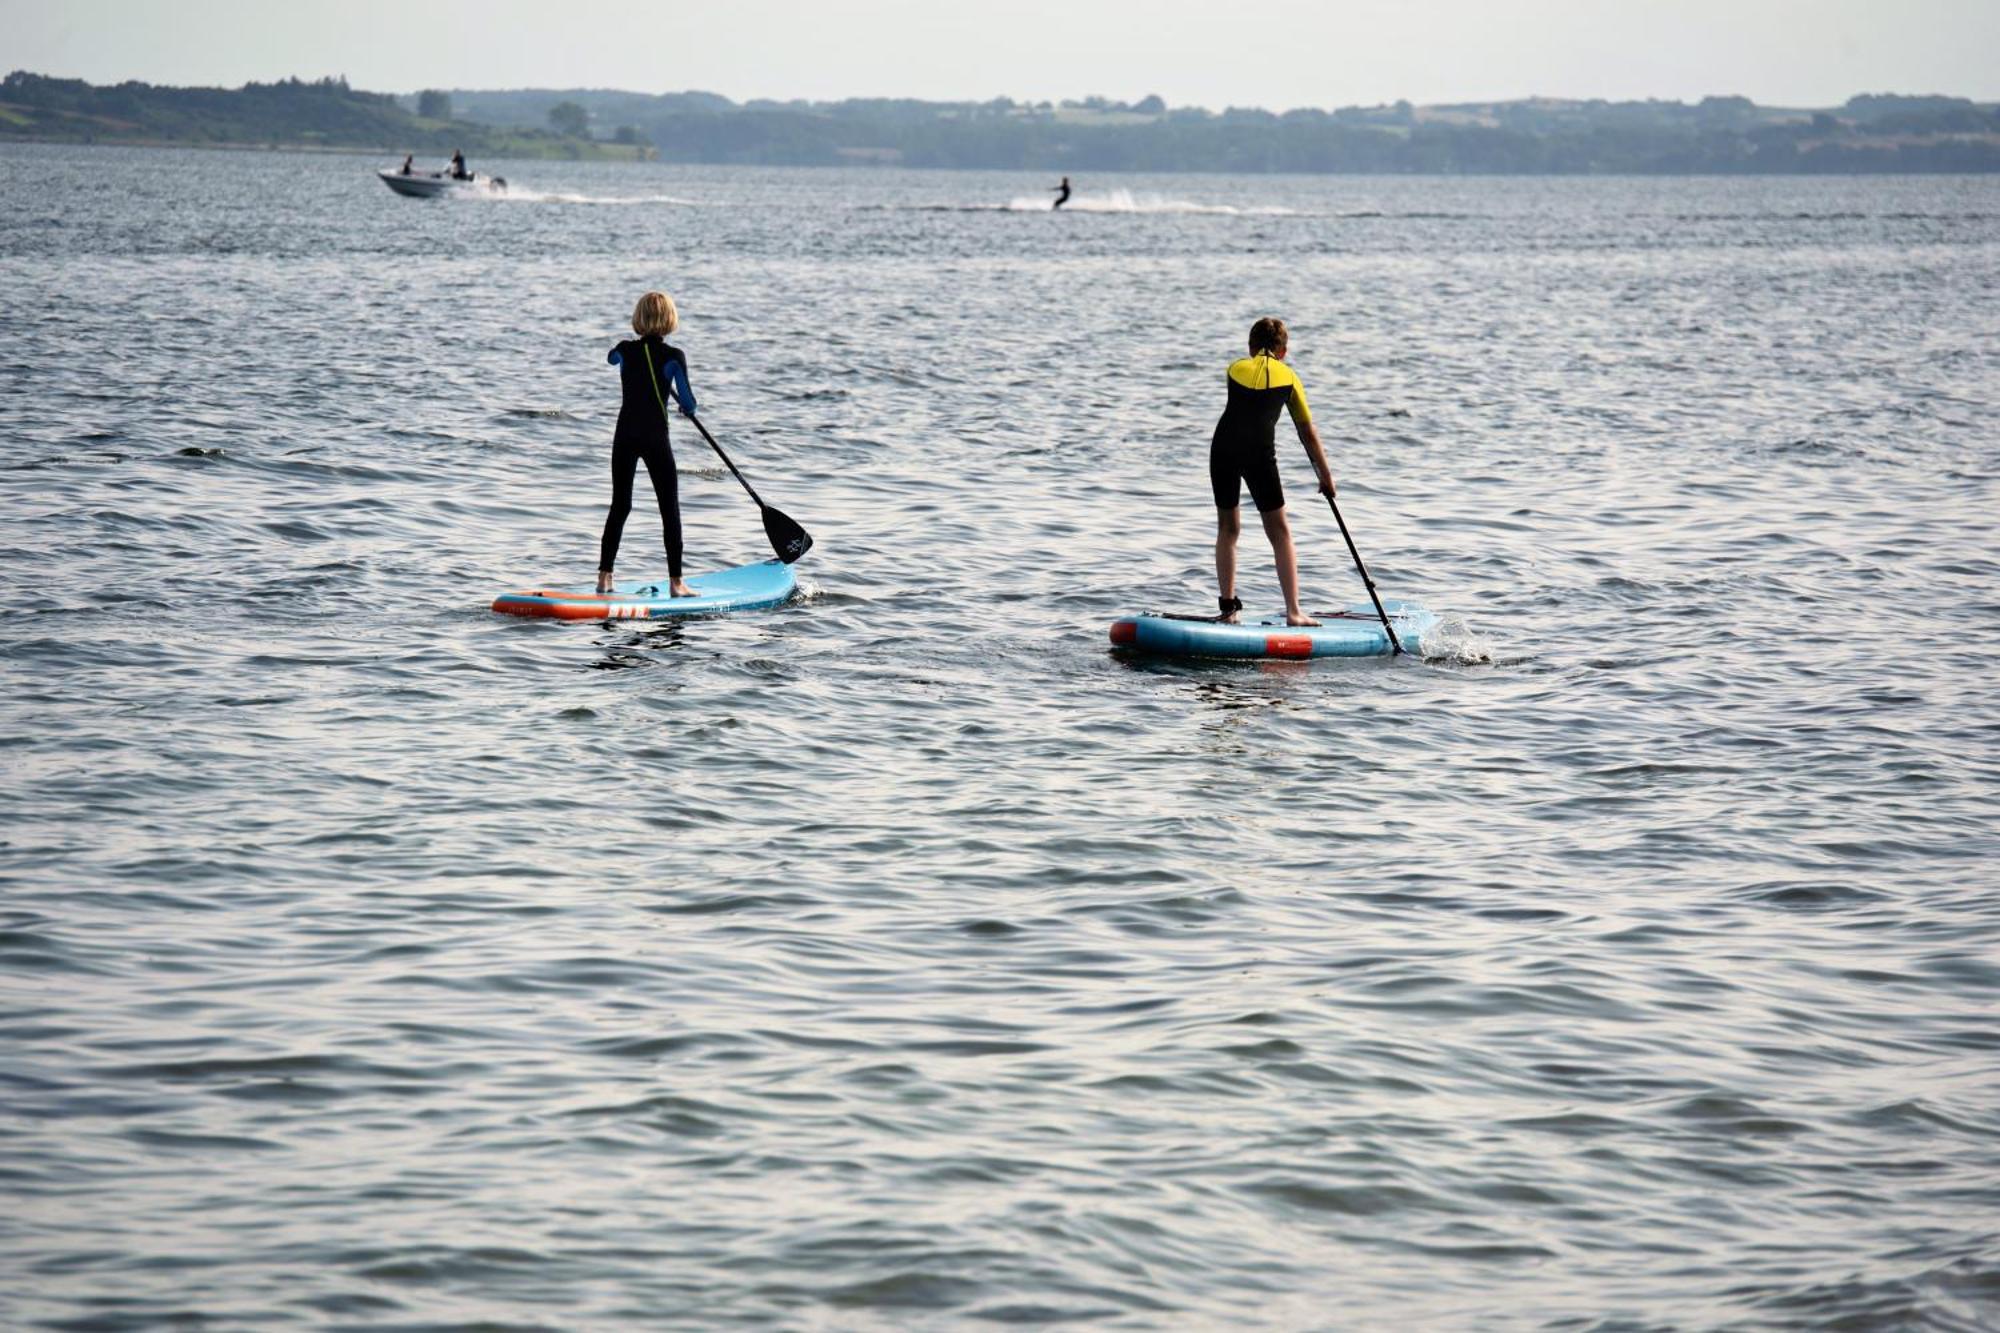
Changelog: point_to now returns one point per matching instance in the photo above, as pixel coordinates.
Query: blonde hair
(655, 313)
(1269, 335)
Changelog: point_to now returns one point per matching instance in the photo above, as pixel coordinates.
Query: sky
(1318, 53)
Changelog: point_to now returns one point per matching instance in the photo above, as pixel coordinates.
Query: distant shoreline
(1869, 134)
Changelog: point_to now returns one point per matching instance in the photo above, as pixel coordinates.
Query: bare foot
(1299, 620)
(603, 581)
(679, 588)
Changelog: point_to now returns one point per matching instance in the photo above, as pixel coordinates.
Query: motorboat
(432, 184)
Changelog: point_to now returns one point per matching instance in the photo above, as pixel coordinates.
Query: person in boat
(650, 371)
(1244, 450)
(458, 171)
(1062, 192)
(409, 165)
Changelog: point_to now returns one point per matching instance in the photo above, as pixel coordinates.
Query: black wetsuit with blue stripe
(649, 371)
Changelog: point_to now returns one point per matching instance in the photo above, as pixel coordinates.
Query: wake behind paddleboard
(744, 588)
(1354, 632)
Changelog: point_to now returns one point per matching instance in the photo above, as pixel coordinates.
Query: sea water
(904, 957)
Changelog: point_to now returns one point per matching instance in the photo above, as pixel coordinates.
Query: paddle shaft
(789, 541)
(653, 377)
(1362, 570)
(724, 457)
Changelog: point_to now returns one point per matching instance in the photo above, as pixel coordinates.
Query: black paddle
(1359, 568)
(788, 539)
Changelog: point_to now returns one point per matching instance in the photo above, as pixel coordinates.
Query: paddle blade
(788, 540)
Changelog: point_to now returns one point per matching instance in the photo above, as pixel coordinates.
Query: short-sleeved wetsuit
(647, 369)
(1244, 448)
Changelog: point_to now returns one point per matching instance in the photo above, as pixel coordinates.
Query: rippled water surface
(903, 957)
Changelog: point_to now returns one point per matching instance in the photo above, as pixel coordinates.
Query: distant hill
(324, 113)
(1872, 132)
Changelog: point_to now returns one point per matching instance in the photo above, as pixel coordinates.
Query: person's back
(643, 365)
(1260, 387)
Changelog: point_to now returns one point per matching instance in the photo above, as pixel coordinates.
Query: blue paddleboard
(744, 588)
(1354, 632)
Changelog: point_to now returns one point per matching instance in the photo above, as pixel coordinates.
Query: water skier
(1062, 192)
(649, 370)
(1244, 450)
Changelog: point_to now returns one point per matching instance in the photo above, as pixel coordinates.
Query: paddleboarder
(649, 369)
(1243, 451)
(1062, 192)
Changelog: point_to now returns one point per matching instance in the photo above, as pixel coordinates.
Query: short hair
(655, 313)
(1269, 335)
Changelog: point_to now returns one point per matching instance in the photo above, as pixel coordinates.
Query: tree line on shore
(1871, 132)
(290, 113)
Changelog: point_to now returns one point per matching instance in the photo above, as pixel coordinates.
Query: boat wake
(1113, 201)
(1124, 201)
(520, 194)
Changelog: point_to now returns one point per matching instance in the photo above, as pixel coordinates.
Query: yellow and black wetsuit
(1245, 448)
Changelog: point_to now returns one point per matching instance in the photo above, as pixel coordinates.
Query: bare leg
(603, 580)
(1228, 523)
(1280, 533)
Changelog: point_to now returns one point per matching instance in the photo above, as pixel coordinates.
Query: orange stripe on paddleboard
(516, 604)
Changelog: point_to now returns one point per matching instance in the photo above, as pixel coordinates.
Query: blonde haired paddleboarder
(649, 371)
